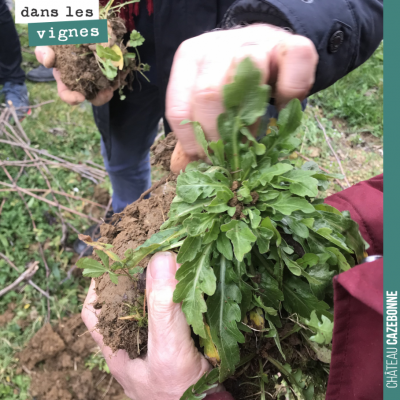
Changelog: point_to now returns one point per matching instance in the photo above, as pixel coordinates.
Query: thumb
(180, 159)
(45, 55)
(169, 332)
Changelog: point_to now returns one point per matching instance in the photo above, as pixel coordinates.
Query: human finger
(115, 361)
(296, 59)
(178, 108)
(207, 95)
(45, 55)
(169, 332)
(218, 69)
(89, 314)
(66, 95)
(180, 159)
(103, 97)
(120, 78)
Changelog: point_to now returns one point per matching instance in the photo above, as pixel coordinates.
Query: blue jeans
(128, 130)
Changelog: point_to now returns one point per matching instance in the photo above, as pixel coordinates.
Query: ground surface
(350, 112)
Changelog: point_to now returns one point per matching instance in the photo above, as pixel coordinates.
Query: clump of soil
(101, 195)
(138, 222)
(79, 68)
(162, 151)
(55, 360)
(128, 230)
(8, 315)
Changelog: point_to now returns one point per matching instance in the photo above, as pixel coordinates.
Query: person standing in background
(12, 76)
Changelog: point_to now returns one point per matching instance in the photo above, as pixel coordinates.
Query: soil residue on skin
(55, 360)
(80, 70)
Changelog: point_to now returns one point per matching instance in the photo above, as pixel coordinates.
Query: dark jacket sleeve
(344, 32)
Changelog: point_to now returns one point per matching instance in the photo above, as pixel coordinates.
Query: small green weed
(97, 361)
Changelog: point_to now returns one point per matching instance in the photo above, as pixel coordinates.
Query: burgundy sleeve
(357, 350)
(364, 201)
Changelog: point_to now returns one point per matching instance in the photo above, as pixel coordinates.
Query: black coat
(344, 32)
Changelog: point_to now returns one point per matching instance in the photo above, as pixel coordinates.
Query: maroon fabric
(219, 396)
(364, 201)
(128, 12)
(357, 351)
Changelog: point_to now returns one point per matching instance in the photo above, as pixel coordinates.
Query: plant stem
(235, 148)
(262, 385)
(123, 5)
(246, 359)
(173, 246)
(279, 366)
(222, 272)
(144, 76)
(128, 274)
(137, 52)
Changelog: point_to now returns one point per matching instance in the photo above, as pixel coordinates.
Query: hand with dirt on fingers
(204, 64)
(45, 55)
(172, 363)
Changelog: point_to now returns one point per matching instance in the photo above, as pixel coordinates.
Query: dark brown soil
(79, 68)
(55, 359)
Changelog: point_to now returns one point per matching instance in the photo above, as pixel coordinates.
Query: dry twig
(108, 387)
(333, 151)
(9, 262)
(52, 203)
(2, 204)
(321, 168)
(26, 275)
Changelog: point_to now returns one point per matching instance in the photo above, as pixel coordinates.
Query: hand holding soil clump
(92, 68)
(258, 249)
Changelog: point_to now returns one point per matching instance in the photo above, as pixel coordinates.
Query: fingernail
(162, 266)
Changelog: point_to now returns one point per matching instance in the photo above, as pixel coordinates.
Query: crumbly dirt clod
(55, 359)
(8, 314)
(162, 151)
(45, 344)
(138, 222)
(79, 68)
(128, 230)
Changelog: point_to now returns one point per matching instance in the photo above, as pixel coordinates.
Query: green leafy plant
(255, 241)
(97, 361)
(117, 57)
(94, 269)
(112, 59)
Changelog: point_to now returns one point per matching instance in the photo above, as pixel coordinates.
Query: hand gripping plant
(91, 68)
(256, 244)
